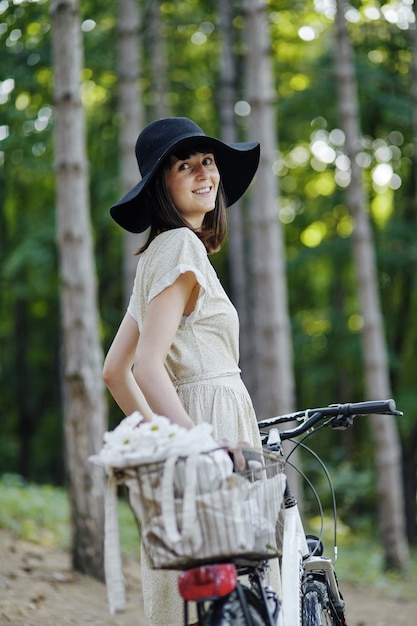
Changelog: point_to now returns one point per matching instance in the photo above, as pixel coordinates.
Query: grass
(40, 514)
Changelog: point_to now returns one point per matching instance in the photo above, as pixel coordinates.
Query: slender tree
(413, 34)
(131, 117)
(409, 440)
(157, 54)
(84, 398)
(272, 333)
(377, 384)
(236, 240)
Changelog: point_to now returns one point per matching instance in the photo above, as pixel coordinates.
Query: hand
(237, 455)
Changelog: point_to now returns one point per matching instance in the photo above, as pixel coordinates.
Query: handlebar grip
(372, 407)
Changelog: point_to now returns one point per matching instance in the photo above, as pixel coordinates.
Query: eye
(183, 166)
(208, 160)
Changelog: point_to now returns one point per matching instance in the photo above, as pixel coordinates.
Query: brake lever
(341, 422)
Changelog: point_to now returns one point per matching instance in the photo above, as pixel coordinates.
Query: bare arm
(161, 322)
(117, 370)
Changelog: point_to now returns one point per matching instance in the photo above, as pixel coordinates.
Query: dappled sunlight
(299, 82)
(397, 12)
(203, 93)
(355, 323)
(382, 160)
(92, 93)
(316, 328)
(88, 25)
(323, 185)
(306, 33)
(323, 151)
(345, 226)
(313, 325)
(287, 211)
(313, 235)
(382, 174)
(242, 108)
(382, 207)
(22, 101)
(6, 88)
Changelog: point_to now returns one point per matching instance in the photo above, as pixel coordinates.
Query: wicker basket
(199, 508)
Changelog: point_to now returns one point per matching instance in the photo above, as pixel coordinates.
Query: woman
(176, 351)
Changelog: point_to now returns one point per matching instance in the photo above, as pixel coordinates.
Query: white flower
(158, 434)
(125, 435)
(135, 441)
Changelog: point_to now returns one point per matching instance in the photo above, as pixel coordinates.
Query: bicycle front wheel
(316, 610)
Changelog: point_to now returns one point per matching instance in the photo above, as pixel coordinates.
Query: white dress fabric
(203, 366)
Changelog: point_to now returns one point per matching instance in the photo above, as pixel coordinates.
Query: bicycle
(310, 594)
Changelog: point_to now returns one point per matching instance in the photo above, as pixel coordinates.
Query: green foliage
(29, 327)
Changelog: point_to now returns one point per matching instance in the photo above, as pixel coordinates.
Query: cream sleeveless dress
(203, 366)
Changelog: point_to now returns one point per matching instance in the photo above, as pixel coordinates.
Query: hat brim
(237, 164)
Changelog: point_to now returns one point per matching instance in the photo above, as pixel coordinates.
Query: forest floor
(38, 588)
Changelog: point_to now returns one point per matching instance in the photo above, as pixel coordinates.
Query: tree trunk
(409, 446)
(236, 237)
(84, 398)
(157, 54)
(384, 430)
(131, 117)
(274, 367)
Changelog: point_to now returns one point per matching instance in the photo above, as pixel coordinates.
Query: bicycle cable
(314, 491)
(316, 496)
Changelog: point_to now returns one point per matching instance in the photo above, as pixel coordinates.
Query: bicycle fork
(294, 550)
(320, 568)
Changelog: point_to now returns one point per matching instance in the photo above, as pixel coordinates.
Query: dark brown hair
(165, 215)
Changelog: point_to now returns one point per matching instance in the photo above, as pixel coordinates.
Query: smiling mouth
(202, 191)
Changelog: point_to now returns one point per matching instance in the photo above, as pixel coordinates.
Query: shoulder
(171, 254)
(177, 242)
(179, 247)
(179, 235)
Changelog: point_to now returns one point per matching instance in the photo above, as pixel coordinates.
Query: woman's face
(192, 183)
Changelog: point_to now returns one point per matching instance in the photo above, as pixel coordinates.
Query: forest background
(311, 172)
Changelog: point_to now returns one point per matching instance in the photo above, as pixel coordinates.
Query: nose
(200, 170)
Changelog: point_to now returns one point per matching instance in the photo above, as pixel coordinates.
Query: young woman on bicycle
(176, 351)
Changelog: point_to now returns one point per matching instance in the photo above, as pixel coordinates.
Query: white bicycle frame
(294, 548)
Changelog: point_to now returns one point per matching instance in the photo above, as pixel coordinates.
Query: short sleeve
(131, 308)
(173, 253)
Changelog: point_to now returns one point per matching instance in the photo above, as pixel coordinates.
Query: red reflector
(207, 581)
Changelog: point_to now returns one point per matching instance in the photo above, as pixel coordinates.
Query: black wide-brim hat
(237, 164)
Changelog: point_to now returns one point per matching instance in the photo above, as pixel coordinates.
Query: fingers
(238, 458)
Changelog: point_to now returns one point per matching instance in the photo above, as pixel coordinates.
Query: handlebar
(338, 415)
